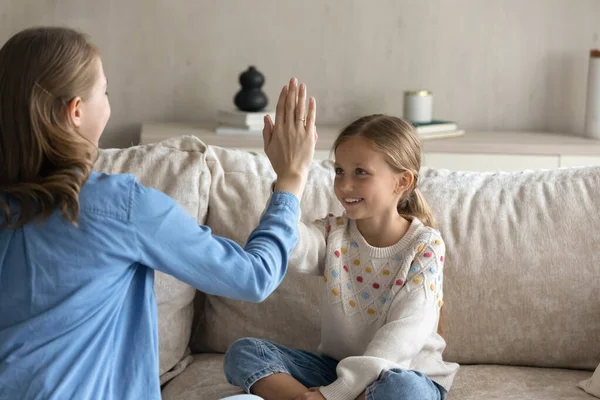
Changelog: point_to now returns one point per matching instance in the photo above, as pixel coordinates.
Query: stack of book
(437, 129)
(235, 122)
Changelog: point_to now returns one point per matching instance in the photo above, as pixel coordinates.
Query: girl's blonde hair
(44, 162)
(396, 139)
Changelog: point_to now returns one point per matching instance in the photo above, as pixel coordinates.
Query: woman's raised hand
(290, 141)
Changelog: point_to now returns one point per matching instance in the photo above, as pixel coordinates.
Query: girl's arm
(170, 240)
(309, 254)
(411, 320)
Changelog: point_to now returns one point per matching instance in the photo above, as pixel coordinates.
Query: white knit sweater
(380, 306)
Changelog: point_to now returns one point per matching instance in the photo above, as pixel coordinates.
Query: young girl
(78, 249)
(382, 264)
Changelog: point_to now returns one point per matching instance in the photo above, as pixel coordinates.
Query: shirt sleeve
(169, 240)
(411, 319)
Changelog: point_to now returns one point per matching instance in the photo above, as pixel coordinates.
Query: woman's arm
(170, 240)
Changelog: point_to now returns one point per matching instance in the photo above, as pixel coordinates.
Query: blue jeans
(249, 360)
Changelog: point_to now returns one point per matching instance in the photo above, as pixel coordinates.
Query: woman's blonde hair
(396, 139)
(44, 162)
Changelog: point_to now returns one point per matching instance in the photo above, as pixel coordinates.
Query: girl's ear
(404, 180)
(74, 111)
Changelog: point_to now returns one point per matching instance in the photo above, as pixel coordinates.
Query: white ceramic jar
(418, 106)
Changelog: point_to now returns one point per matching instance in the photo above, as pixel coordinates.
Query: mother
(78, 249)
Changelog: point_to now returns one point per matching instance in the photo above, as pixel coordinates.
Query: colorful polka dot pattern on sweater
(379, 305)
(366, 285)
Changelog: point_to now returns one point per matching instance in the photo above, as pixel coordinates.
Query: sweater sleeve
(412, 318)
(309, 255)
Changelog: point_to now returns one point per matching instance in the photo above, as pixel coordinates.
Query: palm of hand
(289, 142)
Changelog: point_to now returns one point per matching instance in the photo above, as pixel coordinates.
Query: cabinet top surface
(532, 143)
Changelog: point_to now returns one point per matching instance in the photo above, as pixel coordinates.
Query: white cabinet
(323, 155)
(579, 161)
(474, 151)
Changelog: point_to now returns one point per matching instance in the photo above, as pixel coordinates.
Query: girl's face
(364, 182)
(91, 115)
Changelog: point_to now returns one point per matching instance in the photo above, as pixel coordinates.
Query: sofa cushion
(204, 380)
(521, 275)
(177, 168)
(240, 187)
(523, 265)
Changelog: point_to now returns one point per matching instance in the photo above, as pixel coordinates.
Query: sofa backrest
(521, 277)
(177, 168)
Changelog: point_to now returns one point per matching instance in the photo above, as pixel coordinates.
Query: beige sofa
(522, 277)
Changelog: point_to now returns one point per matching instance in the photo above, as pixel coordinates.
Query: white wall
(493, 64)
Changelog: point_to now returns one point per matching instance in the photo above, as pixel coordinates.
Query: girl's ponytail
(415, 205)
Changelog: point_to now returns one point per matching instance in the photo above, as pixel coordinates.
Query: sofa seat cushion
(475, 382)
(204, 380)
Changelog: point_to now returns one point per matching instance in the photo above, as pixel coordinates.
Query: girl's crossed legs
(250, 360)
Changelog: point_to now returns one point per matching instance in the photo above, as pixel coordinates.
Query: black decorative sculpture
(251, 98)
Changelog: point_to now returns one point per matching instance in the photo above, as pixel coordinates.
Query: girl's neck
(383, 231)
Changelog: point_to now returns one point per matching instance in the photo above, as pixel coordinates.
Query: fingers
(301, 107)
(312, 113)
(280, 110)
(269, 122)
(290, 103)
(267, 131)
